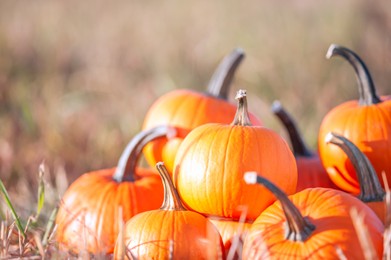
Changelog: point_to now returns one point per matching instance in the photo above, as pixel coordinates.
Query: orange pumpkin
(310, 224)
(365, 122)
(310, 170)
(212, 159)
(187, 109)
(233, 234)
(88, 217)
(171, 232)
(371, 191)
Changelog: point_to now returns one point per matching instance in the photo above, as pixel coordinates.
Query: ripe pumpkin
(233, 234)
(171, 232)
(187, 109)
(212, 159)
(310, 170)
(310, 224)
(371, 191)
(88, 217)
(365, 122)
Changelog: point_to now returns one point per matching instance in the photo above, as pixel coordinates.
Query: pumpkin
(233, 234)
(212, 159)
(186, 109)
(371, 191)
(310, 170)
(310, 224)
(365, 122)
(88, 216)
(171, 232)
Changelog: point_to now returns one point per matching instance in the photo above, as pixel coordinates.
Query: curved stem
(298, 228)
(171, 200)
(241, 117)
(367, 91)
(127, 163)
(297, 141)
(221, 79)
(370, 187)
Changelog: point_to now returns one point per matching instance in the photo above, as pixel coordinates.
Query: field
(77, 77)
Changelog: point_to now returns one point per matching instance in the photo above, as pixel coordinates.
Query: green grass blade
(49, 226)
(6, 197)
(41, 190)
(2, 214)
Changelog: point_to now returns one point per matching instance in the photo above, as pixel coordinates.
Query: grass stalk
(49, 226)
(7, 199)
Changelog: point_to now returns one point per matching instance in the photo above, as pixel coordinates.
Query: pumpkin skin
(212, 159)
(88, 216)
(365, 122)
(371, 191)
(186, 109)
(233, 234)
(310, 170)
(326, 225)
(312, 174)
(171, 232)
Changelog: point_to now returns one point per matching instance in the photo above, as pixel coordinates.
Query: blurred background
(77, 77)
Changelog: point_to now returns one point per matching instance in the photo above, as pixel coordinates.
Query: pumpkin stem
(221, 79)
(171, 200)
(297, 141)
(127, 163)
(298, 228)
(367, 91)
(370, 187)
(241, 117)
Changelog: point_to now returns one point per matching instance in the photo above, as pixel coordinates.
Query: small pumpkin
(88, 216)
(371, 191)
(212, 159)
(310, 170)
(365, 122)
(186, 109)
(171, 232)
(310, 224)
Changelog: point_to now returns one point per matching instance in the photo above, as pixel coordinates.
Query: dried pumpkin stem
(297, 140)
(298, 228)
(128, 161)
(370, 187)
(221, 80)
(171, 200)
(367, 91)
(241, 117)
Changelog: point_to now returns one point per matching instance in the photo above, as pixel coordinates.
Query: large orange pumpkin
(88, 217)
(311, 224)
(310, 170)
(187, 109)
(171, 232)
(365, 122)
(212, 159)
(371, 191)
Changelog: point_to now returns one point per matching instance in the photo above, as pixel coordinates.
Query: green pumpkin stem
(128, 161)
(242, 117)
(221, 80)
(367, 91)
(299, 146)
(298, 228)
(370, 187)
(171, 200)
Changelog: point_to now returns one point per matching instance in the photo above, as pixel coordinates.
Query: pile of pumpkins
(223, 186)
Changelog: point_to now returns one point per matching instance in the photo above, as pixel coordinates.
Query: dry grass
(363, 234)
